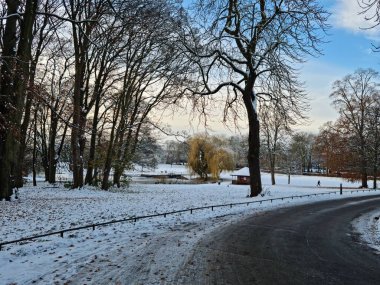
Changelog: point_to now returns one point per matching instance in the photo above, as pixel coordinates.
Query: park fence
(62, 232)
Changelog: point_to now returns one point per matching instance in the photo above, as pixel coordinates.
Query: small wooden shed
(241, 176)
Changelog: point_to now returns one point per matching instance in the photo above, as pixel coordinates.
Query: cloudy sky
(348, 47)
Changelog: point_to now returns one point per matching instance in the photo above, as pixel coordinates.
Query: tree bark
(110, 151)
(364, 174)
(52, 160)
(81, 41)
(77, 130)
(375, 177)
(20, 83)
(29, 99)
(35, 149)
(42, 122)
(123, 156)
(364, 180)
(6, 100)
(108, 164)
(253, 143)
(91, 158)
(272, 168)
(23, 136)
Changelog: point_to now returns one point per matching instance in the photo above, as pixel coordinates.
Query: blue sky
(349, 47)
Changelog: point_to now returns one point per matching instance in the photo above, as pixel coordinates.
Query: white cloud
(346, 14)
(319, 76)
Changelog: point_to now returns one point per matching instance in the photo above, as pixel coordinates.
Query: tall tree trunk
(123, 156)
(77, 130)
(108, 164)
(375, 177)
(23, 136)
(82, 146)
(129, 150)
(35, 149)
(364, 180)
(29, 100)
(21, 81)
(91, 158)
(6, 156)
(80, 36)
(6, 89)
(254, 157)
(124, 144)
(253, 142)
(75, 144)
(363, 164)
(78, 145)
(272, 168)
(110, 150)
(96, 178)
(309, 166)
(375, 168)
(43, 144)
(51, 148)
(376, 156)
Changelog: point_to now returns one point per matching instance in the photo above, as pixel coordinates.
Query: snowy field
(150, 251)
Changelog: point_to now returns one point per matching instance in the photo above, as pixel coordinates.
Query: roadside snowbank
(368, 228)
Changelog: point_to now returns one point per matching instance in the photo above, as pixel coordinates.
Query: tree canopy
(207, 156)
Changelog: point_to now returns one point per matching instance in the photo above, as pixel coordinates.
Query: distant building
(241, 177)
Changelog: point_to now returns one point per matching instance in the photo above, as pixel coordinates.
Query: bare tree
(371, 10)
(14, 78)
(374, 138)
(57, 84)
(244, 47)
(276, 124)
(153, 75)
(353, 97)
(86, 21)
(147, 149)
(120, 50)
(43, 96)
(239, 147)
(326, 147)
(301, 147)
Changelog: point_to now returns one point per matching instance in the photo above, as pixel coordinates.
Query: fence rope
(135, 219)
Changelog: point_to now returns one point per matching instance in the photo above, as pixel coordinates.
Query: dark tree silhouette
(244, 49)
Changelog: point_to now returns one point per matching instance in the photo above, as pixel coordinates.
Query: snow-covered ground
(368, 227)
(150, 251)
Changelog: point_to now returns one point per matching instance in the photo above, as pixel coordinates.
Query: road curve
(308, 244)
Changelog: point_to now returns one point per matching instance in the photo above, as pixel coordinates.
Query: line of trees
(85, 72)
(294, 153)
(351, 144)
(348, 147)
(92, 72)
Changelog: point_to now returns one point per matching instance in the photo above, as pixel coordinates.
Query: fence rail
(190, 210)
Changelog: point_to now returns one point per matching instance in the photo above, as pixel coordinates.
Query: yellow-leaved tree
(207, 155)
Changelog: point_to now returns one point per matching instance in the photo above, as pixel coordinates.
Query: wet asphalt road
(308, 244)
